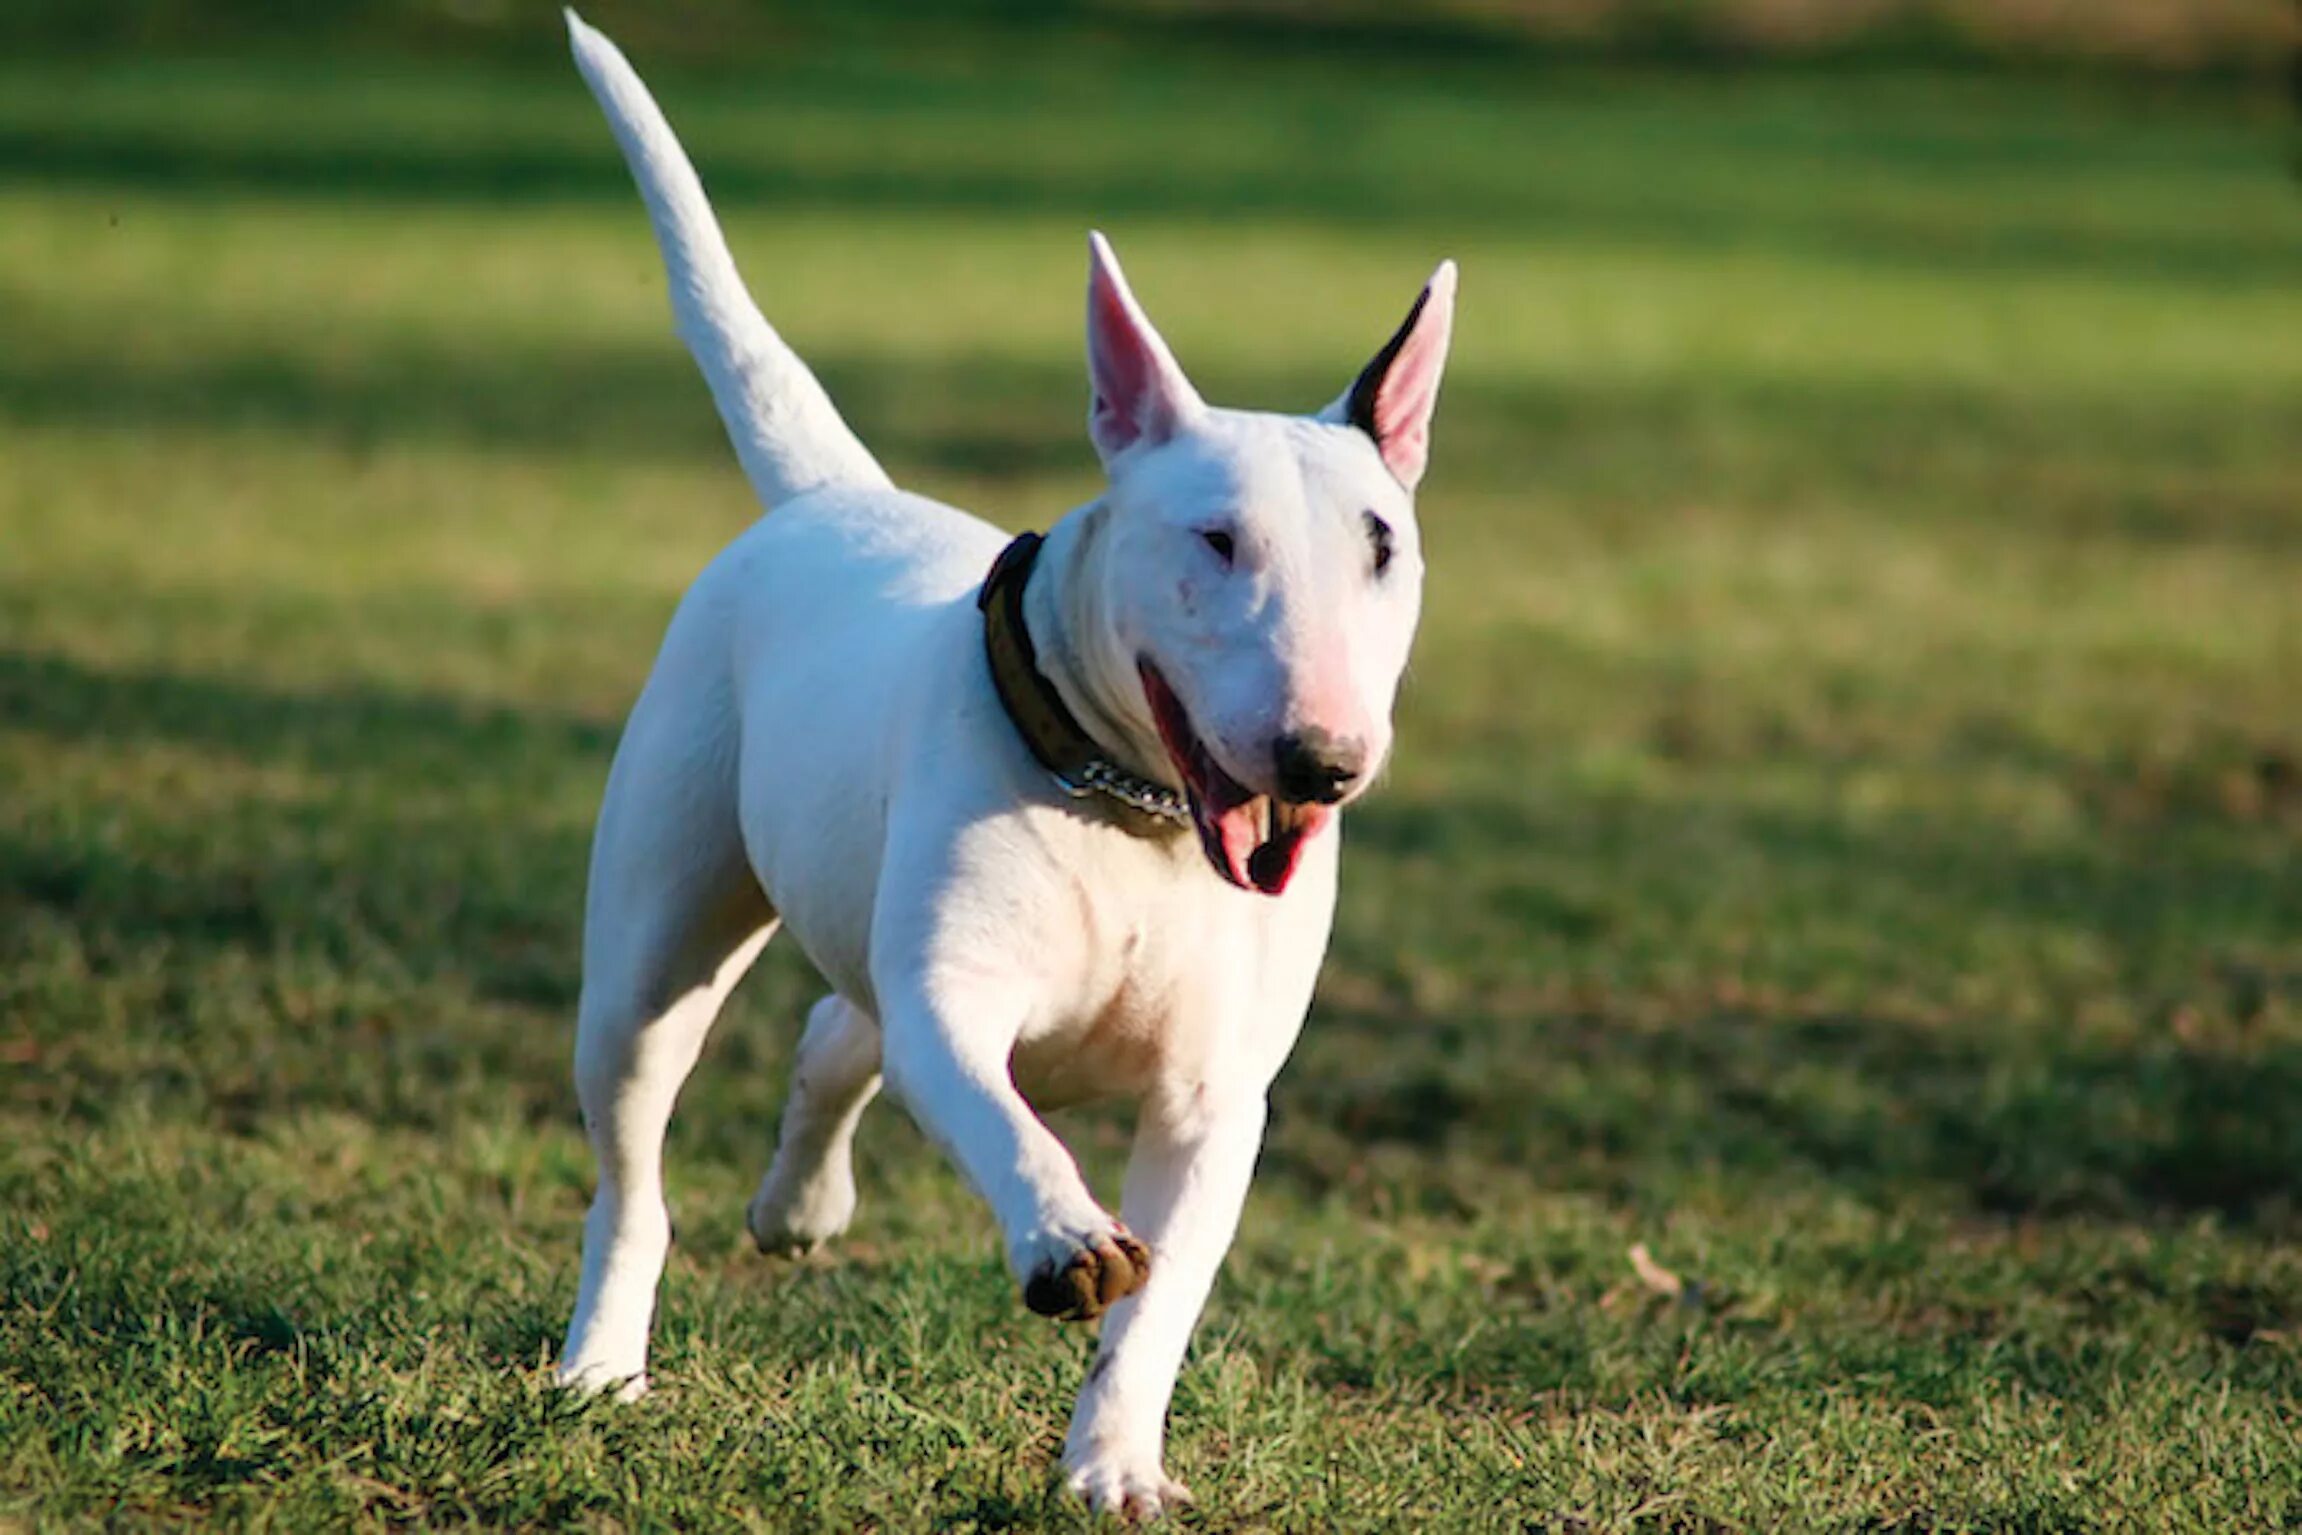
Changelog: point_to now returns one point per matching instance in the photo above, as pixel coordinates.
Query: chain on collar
(1060, 743)
(1140, 794)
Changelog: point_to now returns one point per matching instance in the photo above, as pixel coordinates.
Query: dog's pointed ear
(1141, 397)
(1393, 398)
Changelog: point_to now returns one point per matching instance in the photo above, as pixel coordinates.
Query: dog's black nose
(1316, 766)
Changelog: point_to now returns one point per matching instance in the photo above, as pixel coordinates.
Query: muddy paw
(1087, 1283)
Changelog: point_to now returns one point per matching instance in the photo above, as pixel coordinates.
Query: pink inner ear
(1140, 396)
(1399, 415)
(1120, 367)
(1403, 409)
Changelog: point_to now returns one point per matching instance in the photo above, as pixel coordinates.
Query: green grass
(1845, 834)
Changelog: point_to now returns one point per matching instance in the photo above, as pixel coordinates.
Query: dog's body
(821, 747)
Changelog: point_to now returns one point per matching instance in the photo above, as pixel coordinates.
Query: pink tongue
(1229, 830)
(1227, 826)
(1273, 864)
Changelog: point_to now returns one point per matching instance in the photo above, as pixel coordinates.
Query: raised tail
(785, 429)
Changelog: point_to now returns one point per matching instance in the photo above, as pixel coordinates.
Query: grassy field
(1845, 834)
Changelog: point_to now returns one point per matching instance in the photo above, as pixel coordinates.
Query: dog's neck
(1078, 651)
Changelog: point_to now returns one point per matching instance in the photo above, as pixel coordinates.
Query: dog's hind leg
(675, 919)
(808, 1195)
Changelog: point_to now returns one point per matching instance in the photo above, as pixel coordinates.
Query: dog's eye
(1379, 535)
(1221, 542)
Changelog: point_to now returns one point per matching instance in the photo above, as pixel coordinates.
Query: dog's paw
(790, 1218)
(1113, 1486)
(1077, 1281)
(603, 1380)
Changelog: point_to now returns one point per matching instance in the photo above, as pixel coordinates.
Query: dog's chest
(1151, 996)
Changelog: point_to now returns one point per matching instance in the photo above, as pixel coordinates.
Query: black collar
(1079, 765)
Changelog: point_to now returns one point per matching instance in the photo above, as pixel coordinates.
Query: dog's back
(836, 633)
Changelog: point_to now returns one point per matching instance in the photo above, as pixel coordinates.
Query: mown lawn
(1845, 835)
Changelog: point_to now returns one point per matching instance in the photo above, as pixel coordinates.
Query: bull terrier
(1055, 818)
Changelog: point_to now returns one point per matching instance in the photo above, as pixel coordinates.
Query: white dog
(971, 794)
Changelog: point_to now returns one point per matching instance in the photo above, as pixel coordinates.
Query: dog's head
(1262, 572)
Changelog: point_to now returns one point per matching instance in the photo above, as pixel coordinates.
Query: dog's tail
(785, 429)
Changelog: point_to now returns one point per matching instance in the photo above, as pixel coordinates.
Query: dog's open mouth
(1253, 840)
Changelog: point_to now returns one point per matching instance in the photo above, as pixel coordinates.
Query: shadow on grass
(982, 416)
(2192, 1105)
(1281, 167)
(367, 731)
(409, 956)
(2072, 466)
(1895, 1112)
(350, 921)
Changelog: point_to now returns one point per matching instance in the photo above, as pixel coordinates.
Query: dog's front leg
(946, 1057)
(1186, 1183)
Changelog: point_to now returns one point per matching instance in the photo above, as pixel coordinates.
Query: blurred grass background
(2250, 39)
(1844, 834)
